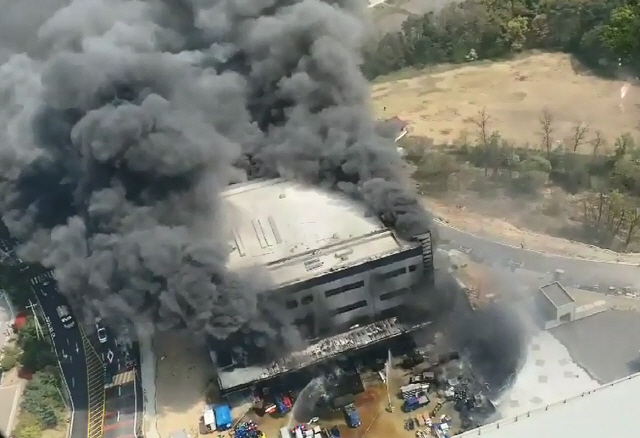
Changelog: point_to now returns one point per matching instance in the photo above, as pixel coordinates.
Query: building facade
(369, 291)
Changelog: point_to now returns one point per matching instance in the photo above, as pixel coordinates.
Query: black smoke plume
(122, 121)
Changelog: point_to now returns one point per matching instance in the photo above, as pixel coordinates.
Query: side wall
(330, 303)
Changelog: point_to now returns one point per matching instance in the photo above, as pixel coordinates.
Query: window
(345, 288)
(412, 268)
(291, 304)
(350, 307)
(395, 293)
(305, 325)
(306, 300)
(392, 311)
(393, 273)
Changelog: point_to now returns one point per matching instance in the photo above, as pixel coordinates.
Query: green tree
(41, 398)
(529, 183)
(36, 350)
(10, 357)
(435, 169)
(16, 285)
(534, 163)
(27, 427)
(516, 30)
(622, 33)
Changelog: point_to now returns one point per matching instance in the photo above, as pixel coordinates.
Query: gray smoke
(123, 120)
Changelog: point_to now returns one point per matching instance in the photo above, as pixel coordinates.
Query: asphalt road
(577, 272)
(69, 348)
(123, 407)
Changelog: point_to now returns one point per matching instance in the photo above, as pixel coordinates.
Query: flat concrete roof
(604, 411)
(557, 294)
(299, 232)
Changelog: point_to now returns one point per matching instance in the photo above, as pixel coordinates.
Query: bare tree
(579, 133)
(546, 126)
(596, 143)
(482, 122)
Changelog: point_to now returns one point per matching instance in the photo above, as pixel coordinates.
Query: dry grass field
(443, 104)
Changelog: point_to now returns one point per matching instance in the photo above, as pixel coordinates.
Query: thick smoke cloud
(123, 120)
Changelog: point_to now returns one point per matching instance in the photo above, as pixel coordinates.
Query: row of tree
(42, 406)
(604, 34)
(607, 178)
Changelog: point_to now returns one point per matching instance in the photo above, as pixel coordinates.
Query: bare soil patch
(442, 105)
(182, 374)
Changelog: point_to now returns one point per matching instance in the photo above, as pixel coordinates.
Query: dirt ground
(503, 230)
(182, 373)
(443, 103)
(371, 405)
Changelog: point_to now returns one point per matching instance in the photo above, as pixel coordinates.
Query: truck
(223, 417)
(413, 390)
(351, 416)
(209, 419)
(415, 402)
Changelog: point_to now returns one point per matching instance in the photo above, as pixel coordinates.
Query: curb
(542, 253)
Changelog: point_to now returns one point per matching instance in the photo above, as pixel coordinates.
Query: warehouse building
(332, 265)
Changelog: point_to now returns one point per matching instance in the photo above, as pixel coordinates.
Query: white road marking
(73, 382)
(119, 391)
(135, 406)
(118, 417)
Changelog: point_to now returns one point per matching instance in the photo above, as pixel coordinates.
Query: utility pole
(32, 306)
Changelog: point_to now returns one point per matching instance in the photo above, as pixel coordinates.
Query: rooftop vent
(313, 264)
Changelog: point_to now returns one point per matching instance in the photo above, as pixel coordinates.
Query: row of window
(357, 284)
(292, 304)
(396, 293)
(363, 303)
(308, 299)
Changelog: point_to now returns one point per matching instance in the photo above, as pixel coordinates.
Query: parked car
(65, 316)
(101, 332)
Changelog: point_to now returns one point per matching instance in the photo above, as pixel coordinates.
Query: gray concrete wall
(374, 286)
